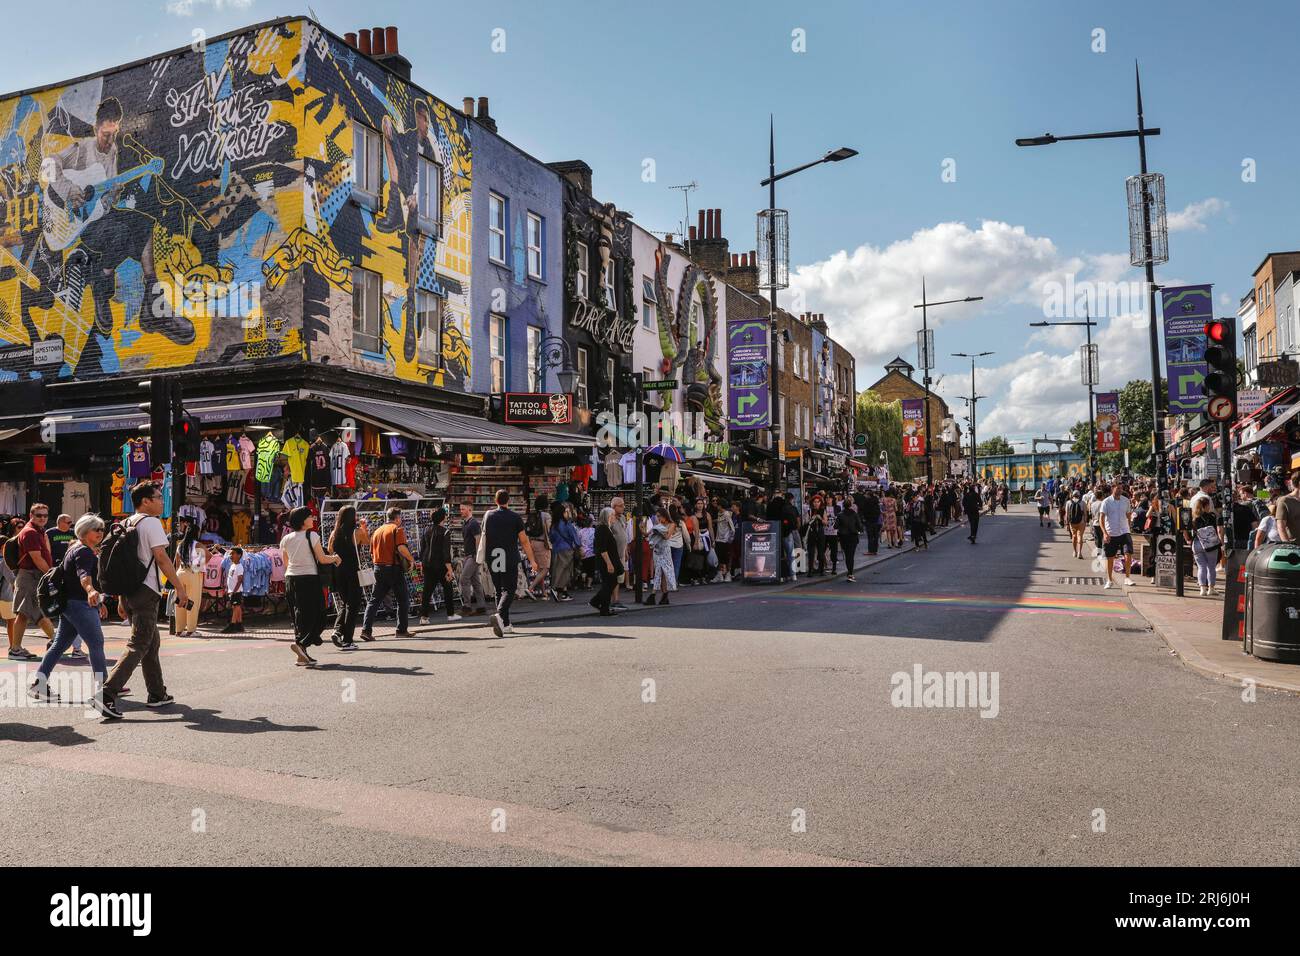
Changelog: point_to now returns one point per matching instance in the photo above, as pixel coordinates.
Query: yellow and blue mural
(199, 209)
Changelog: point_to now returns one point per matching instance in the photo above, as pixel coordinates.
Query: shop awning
(209, 411)
(712, 478)
(1268, 432)
(462, 432)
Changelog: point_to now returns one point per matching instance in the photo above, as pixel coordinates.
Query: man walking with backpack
(32, 557)
(1076, 515)
(133, 564)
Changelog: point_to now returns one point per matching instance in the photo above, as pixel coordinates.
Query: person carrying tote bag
(304, 558)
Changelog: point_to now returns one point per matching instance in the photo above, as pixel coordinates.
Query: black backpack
(50, 593)
(1075, 512)
(121, 572)
(533, 525)
(12, 553)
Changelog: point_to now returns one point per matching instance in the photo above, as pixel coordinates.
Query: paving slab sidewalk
(1191, 626)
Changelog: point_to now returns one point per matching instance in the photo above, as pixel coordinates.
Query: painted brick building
(897, 384)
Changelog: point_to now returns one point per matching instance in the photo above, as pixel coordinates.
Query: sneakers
(348, 647)
(21, 654)
(424, 620)
(851, 578)
(452, 617)
(508, 631)
(555, 595)
(106, 708)
(497, 627)
(400, 634)
(1201, 588)
(1108, 585)
(367, 636)
(162, 701)
(40, 690)
(1130, 582)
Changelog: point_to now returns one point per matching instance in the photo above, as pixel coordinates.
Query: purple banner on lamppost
(1186, 310)
(748, 400)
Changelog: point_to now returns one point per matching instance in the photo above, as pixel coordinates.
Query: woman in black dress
(609, 563)
(348, 598)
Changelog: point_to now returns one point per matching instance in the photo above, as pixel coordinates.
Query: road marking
(971, 602)
(422, 814)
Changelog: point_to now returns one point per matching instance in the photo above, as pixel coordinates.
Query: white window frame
(583, 393)
(584, 264)
(428, 327)
(367, 310)
(367, 158)
(498, 333)
(611, 370)
(429, 186)
(497, 226)
(608, 282)
(533, 343)
(534, 257)
(649, 310)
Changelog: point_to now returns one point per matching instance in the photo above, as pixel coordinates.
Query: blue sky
(690, 86)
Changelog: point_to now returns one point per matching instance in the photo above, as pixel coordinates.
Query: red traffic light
(1216, 331)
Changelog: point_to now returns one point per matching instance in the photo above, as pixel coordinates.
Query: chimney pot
(483, 107)
(717, 223)
(350, 39)
(377, 41)
(710, 222)
(744, 259)
(390, 39)
(701, 222)
(363, 42)
(468, 106)
(693, 234)
(734, 260)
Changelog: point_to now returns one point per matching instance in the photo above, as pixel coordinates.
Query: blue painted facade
(527, 186)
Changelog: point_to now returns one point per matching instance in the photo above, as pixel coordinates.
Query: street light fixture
(1145, 245)
(1088, 380)
(974, 446)
(769, 225)
(926, 359)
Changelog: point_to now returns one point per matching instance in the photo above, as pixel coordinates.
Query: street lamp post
(1141, 134)
(1089, 379)
(974, 446)
(774, 279)
(927, 362)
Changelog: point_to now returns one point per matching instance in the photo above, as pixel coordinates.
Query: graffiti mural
(688, 335)
(198, 210)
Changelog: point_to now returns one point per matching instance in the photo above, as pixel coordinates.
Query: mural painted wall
(194, 210)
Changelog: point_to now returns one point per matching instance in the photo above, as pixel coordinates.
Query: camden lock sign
(604, 325)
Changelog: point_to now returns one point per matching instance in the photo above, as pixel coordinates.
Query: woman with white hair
(83, 608)
(609, 562)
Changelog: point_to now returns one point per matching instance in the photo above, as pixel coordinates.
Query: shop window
(367, 304)
(367, 165)
(497, 351)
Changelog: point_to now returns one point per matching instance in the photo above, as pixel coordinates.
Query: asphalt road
(757, 729)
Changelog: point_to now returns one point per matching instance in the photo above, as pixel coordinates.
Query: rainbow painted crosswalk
(970, 602)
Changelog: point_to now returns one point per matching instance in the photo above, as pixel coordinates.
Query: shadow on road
(58, 736)
(208, 720)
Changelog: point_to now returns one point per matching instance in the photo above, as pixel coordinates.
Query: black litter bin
(1273, 603)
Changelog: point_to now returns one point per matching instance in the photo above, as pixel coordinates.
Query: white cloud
(187, 8)
(1192, 217)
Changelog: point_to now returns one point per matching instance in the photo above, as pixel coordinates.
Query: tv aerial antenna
(686, 198)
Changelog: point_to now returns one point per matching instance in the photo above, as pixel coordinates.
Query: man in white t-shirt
(142, 647)
(1116, 539)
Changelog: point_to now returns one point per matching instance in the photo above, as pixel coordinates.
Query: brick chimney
(818, 321)
(575, 171)
(743, 273)
(380, 43)
(708, 246)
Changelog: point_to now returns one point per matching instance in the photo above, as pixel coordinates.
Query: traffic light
(1221, 368)
(159, 410)
(186, 438)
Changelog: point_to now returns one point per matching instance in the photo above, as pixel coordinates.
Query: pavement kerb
(1182, 646)
(486, 621)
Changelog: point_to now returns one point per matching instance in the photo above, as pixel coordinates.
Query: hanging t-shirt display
(206, 452)
(138, 456)
(241, 521)
(267, 450)
(246, 452)
(295, 449)
(219, 447)
(318, 467)
(292, 495)
(339, 455)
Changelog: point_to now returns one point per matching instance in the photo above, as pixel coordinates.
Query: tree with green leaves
(997, 445)
(882, 423)
(1135, 413)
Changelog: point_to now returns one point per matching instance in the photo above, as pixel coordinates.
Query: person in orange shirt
(392, 556)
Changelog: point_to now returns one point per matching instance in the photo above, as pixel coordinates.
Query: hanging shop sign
(1107, 421)
(538, 408)
(913, 427)
(760, 552)
(603, 325)
(748, 400)
(1186, 310)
